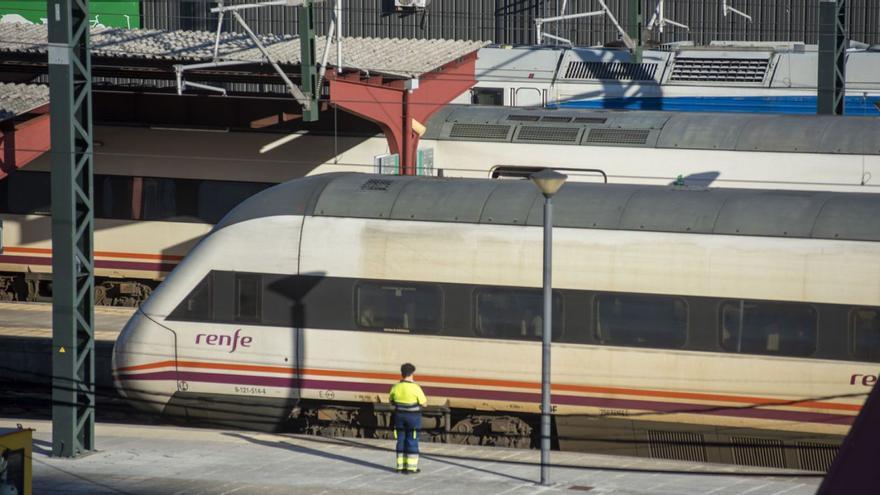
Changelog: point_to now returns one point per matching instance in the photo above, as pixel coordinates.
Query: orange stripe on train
(104, 254)
(501, 383)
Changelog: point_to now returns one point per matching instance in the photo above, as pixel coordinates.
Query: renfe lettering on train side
(233, 341)
(866, 380)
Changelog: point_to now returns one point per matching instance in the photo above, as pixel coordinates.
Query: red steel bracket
(394, 108)
(23, 142)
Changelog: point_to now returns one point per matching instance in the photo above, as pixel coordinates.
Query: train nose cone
(144, 369)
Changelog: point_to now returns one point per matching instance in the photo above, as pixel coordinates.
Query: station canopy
(19, 99)
(144, 52)
(24, 124)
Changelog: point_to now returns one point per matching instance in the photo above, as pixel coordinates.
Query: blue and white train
(722, 77)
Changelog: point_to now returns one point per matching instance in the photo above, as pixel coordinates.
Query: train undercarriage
(439, 424)
(614, 434)
(37, 287)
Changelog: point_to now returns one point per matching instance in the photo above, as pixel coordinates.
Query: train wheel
(500, 431)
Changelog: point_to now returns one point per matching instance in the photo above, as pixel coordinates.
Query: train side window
(247, 297)
(488, 96)
(396, 307)
(170, 199)
(752, 327)
(29, 193)
(515, 314)
(641, 320)
(865, 331)
(197, 305)
(113, 197)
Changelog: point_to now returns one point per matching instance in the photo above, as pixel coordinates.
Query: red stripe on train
(659, 407)
(105, 264)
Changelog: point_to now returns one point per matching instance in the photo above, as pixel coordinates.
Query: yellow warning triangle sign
(62, 351)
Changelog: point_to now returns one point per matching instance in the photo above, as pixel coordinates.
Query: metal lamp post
(548, 182)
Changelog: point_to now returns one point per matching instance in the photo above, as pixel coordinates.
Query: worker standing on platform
(408, 399)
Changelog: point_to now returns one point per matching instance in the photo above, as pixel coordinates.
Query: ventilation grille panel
(814, 456)
(524, 118)
(554, 134)
(483, 132)
(619, 136)
(617, 71)
(678, 445)
(376, 185)
(556, 120)
(742, 70)
(589, 120)
(752, 451)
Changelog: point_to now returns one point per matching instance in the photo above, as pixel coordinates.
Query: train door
(528, 97)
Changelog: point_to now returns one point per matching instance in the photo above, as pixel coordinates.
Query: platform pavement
(34, 320)
(152, 460)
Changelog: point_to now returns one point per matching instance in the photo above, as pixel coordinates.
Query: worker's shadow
(435, 458)
(314, 452)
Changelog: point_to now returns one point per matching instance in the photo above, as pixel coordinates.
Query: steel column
(73, 356)
(636, 28)
(309, 83)
(832, 57)
(546, 335)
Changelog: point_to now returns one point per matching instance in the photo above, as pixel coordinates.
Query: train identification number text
(250, 390)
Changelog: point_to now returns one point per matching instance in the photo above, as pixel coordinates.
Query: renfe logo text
(866, 380)
(232, 341)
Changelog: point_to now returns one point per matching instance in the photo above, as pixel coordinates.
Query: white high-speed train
(728, 325)
(725, 150)
(726, 76)
(157, 191)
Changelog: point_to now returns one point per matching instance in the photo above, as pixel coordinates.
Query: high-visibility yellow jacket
(407, 396)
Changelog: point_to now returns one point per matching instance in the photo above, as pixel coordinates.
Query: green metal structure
(73, 361)
(636, 24)
(832, 56)
(309, 73)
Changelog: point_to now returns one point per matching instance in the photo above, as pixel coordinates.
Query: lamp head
(548, 181)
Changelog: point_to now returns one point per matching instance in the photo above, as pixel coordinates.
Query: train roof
(657, 129)
(737, 64)
(749, 212)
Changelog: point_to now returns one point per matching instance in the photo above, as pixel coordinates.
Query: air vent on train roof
(524, 118)
(742, 70)
(589, 120)
(618, 136)
(556, 120)
(551, 134)
(618, 71)
(483, 132)
(376, 185)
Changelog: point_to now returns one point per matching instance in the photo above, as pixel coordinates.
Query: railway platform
(147, 460)
(34, 320)
(26, 343)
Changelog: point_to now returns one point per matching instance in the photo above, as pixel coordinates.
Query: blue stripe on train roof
(854, 105)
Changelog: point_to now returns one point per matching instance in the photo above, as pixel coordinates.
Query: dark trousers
(406, 429)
